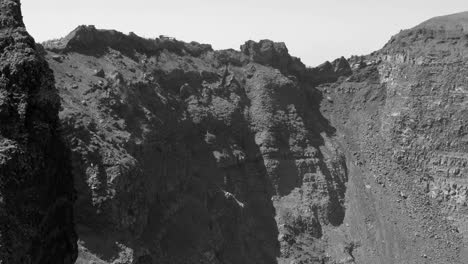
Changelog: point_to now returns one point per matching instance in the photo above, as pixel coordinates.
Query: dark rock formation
(328, 72)
(274, 54)
(196, 157)
(89, 40)
(182, 154)
(36, 187)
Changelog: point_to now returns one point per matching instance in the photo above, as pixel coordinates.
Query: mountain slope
(404, 113)
(454, 22)
(183, 154)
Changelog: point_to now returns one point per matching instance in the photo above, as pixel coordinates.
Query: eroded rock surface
(36, 187)
(183, 154)
(196, 157)
(403, 114)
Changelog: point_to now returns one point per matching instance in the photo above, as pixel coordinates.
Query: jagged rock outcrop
(91, 41)
(36, 187)
(274, 54)
(205, 157)
(329, 72)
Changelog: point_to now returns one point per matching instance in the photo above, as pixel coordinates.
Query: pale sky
(313, 30)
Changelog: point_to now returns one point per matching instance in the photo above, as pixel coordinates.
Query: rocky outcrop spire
(274, 54)
(36, 187)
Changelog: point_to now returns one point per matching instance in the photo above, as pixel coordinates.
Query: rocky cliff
(403, 115)
(36, 187)
(184, 154)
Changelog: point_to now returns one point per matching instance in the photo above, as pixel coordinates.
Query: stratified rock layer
(36, 187)
(404, 116)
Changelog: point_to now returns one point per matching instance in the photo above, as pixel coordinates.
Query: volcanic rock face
(36, 188)
(404, 116)
(182, 154)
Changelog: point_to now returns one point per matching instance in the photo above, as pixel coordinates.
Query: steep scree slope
(36, 188)
(403, 114)
(182, 154)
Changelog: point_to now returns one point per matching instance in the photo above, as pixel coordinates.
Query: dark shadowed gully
(182, 154)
